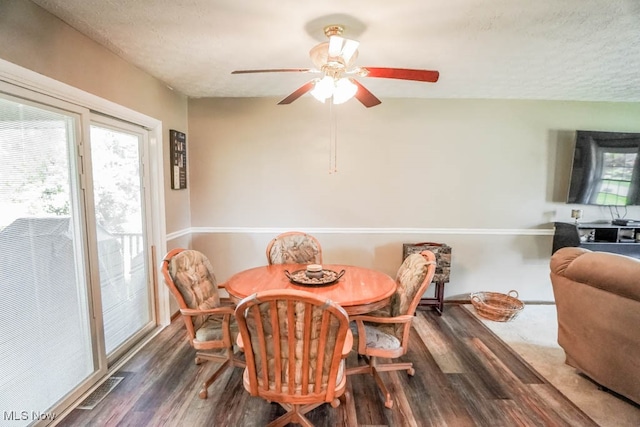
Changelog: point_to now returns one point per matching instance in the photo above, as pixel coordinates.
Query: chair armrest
(398, 319)
(218, 310)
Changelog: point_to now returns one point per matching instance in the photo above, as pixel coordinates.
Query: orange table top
(360, 290)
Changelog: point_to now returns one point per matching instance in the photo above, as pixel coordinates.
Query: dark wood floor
(465, 376)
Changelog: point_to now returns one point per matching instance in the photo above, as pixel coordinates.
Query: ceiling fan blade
(430, 76)
(274, 70)
(365, 96)
(298, 93)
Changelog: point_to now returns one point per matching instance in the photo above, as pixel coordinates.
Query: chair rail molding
(364, 230)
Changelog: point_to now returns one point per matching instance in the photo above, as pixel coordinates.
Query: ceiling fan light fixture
(344, 91)
(323, 88)
(341, 90)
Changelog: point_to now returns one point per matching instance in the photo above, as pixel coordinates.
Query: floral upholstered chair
(294, 247)
(385, 333)
(189, 276)
(295, 343)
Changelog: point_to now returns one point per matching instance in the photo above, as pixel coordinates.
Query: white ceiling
(587, 50)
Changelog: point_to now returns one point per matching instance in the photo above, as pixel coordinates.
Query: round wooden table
(359, 291)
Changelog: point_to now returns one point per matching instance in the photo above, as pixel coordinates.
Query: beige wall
(38, 41)
(478, 175)
(486, 177)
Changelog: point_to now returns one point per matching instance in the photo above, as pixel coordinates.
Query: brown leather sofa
(598, 301)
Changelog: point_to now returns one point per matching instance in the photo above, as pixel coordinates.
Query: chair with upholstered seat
(295, 343)
(189, 276)
(294, 247)
(385, 333)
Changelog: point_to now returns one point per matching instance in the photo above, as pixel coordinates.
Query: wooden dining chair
(385, 333)
(210, 325)
(295, 343)
(294, 247)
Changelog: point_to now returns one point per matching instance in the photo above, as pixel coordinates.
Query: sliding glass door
(75, 271)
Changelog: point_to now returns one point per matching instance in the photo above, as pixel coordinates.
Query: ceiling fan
(334, 60)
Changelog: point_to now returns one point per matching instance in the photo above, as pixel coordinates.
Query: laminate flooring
(465, 376)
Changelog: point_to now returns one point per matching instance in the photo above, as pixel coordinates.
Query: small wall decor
(178, 144)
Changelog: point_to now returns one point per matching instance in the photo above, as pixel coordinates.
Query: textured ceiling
(587, 50)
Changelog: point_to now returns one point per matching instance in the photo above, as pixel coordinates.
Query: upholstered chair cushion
(410, 276)
(380, 336)
(193, 276)
(210, 330)
(295, 249)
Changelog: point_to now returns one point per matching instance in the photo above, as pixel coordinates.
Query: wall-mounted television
(605, 169)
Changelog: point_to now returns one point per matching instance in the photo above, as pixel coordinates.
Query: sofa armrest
(610, 272)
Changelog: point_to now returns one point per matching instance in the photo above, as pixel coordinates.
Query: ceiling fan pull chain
(333, 136)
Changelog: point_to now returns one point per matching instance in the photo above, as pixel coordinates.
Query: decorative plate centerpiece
(313, 276)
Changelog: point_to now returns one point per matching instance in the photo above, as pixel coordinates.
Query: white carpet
(533, 335)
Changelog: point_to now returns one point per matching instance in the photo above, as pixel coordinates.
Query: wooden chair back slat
(291, 326)
(306, 345)
(277, 346)
(324, 332)
(262, 346)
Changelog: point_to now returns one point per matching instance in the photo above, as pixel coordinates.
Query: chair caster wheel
(388, 404)
(199, 361)
(411, 371)
(203, 393)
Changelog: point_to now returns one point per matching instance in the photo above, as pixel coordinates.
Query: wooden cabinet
(602, 237)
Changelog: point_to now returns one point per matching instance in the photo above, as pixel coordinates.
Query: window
(616, 172)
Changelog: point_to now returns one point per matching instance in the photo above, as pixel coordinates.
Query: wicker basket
(497, 306)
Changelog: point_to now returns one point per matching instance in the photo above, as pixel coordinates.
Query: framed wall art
(178, 153)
